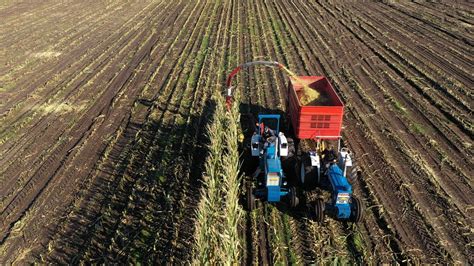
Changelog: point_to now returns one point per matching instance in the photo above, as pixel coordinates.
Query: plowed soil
(104, 107)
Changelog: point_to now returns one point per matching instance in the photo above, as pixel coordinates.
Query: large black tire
(319, 211)
(293, 197)
(307, 174)
(250, 198)
(352, 173)
(291, 148)
(357, 210)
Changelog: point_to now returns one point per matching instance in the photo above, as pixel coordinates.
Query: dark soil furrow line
(152, 134)
(39, 38)
(430, 88)
(75, 83)
(423, 56)
(446, 33)
(39, 124)
(33, 54)
(134, 169)
(22, 17)
(122, 78)
(423, 186)
(87, 44)
(46, 126)
(308, 49)
(457, 11)
(414, 84)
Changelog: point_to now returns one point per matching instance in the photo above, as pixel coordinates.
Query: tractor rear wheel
(308, 174)
(250, 198)
(294, 201)
(319, 210)
(352, 173)
(357, 210)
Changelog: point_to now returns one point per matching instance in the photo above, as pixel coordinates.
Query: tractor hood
(338, 181)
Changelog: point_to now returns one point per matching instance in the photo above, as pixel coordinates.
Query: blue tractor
(336, 169)
(270, 145)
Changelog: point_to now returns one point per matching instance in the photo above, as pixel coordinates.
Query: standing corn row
(233, 212)
(209, 209)
(219, 214)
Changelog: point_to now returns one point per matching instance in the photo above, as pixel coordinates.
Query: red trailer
(321, 119)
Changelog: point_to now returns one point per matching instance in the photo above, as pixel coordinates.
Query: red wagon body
(321, 119)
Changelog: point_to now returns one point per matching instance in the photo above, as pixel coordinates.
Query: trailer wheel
(357, 210)
(308, 174)
(250, 198)
(294, 201)
(319, 210)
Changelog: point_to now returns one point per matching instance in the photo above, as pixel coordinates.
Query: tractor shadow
(151, 176)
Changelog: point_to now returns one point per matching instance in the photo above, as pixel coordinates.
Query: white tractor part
(283, 144)
(345, 160)
(314, 159)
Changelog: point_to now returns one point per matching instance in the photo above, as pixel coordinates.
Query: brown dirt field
(104, 108)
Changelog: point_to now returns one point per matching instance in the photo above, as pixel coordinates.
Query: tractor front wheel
(357, 210)
(294, 201)
(319, 210)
